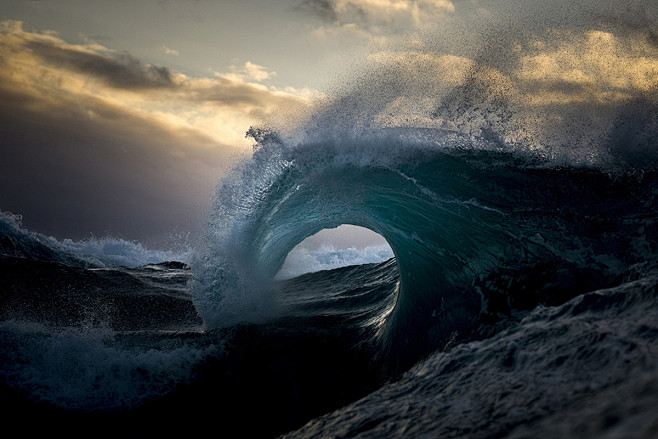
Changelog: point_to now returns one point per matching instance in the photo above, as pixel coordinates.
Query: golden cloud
(100, 140)
(222, 107)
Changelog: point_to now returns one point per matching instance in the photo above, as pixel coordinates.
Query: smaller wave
(113, 252)
(301, 260)
(16, 241)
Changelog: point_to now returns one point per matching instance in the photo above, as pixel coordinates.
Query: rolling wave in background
(301, 260)
(98, 252)
(513, 173)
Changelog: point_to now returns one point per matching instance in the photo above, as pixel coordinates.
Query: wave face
(475, 229)
(506, 168)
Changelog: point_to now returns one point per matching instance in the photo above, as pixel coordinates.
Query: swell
(461, 222)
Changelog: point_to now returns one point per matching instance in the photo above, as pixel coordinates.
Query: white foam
(106, 251)
(302, 260)
(119, 252)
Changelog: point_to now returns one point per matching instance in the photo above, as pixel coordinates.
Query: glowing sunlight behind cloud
(221, 108)
(159, 139)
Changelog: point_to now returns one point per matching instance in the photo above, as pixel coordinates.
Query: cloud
(96, 141)
(249, 72)
(169, 51)
(44, 66)
(120, 71)
(377, 17)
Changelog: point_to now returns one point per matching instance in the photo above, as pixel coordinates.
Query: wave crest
(15, 241)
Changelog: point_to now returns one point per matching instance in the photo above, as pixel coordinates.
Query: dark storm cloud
(122, 71)
(350, 12)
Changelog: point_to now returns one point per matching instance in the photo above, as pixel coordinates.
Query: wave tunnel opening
(438, 232)
(331, 248)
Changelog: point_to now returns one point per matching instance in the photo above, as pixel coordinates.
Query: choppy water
(121, 348)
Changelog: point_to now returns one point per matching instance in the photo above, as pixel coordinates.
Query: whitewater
(510, 162)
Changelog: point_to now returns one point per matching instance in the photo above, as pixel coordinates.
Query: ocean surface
(521, 301)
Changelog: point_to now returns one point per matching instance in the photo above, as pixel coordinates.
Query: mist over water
(572, 82)
(301, 261)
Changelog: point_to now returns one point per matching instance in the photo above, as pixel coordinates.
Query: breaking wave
(102, 252)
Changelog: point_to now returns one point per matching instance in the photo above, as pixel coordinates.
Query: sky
(120, 118)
